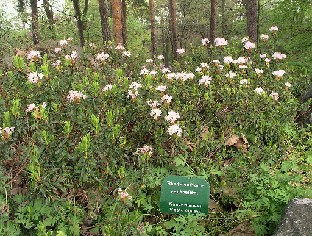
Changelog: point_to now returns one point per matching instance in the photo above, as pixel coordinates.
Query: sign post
(184, 195)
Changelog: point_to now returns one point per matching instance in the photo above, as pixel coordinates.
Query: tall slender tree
(117, 24)
(34, 21)
(172, 4)
(79, 21)
(85, 8)
(213, 20)
(152, 27)
(124, 21)
(252, 19)
(104, 20)
(49, 12)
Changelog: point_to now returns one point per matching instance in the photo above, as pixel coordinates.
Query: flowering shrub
(103, 132)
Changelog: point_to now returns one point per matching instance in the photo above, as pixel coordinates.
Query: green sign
(184, 195)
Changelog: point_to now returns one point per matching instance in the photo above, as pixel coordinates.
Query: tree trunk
(79, 21)
(223, 21)
(213, 20)
(124, 21)
(48, 10)
(21, 6)
(85, 9)
(173, 26)
(34, 21)
(104, 20)
(153, 30)
(252, 19)
(117, 24)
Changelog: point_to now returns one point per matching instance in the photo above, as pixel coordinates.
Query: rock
(296, 220)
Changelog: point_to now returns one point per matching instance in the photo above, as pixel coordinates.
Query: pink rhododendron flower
(33, 55)
(278, 56)
(241, 60)
(231, 74)
(205, 80)
(166, 98)
(155, 113)
(274, 95)
(146, 149)
(7, 131)
(123, 195)
(198, 69)
(175, 129)
(126, 53)
(245, 39)
(153, 104)
(75, 96)
(243, 81)
(56, 63)
(160, 57)
(149, 60)
(133, 93)
(34, 77)
(249, 45)
(228, 60)
(220, 42)
(107, 87)
(258, 71)
(135, 85)
(204, 65)
(165, 70)
(264, 37)
(279, 73)
(172, 116)
(119, 47)
(57, 50)
(180, 51)
(259, 90)
(263, 55)
(161, 88)
(273, 28)
(102, 56)
(63, 42)
(153, 72)
(31, 107)
(144, 71)
(205, 41)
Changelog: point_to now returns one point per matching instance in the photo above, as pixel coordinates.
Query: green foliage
(84, 149)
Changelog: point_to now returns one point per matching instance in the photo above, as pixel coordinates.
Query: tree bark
(34, 21)
(21, 6)
(117, 24)
(48, 10)
(252, 19)
(213, 20)
(79, 21)
(173, 26)
(124, 21)
(104, 20)
(153, 30)
(86, 8)
(223, 21)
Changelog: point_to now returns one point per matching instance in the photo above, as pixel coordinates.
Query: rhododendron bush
(94, 128)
